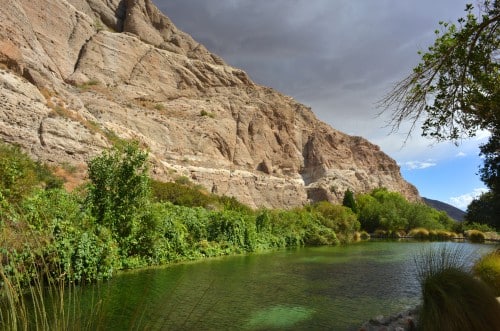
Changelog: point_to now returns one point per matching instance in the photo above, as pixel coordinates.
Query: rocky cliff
(77, 74)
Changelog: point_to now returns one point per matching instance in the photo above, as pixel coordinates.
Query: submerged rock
(404, 321)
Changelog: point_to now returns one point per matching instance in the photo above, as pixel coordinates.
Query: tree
(484, 210)
(349, 201)
(119, 190)
(490, 172)
(455, 88)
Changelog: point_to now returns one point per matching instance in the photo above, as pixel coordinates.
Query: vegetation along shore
(122, 219)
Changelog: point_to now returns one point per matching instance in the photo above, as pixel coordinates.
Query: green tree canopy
(349, 201)
(119, 188)
(455, 89)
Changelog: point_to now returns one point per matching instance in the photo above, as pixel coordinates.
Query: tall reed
(43, 302)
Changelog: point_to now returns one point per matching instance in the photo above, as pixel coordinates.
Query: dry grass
(419, 233)
(475, 236)
(488, 270)
(72, 175)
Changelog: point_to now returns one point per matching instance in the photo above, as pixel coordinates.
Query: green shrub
(231, 203)
(476, 226)
(488, 270)
(364, 235)
(340, 219)
(65, 237)
(233, 228)
(390, 211)
(349, 201)
(181, 194)
(119, 191)
(20, 176)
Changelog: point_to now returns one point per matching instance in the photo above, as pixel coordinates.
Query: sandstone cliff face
(74, 74)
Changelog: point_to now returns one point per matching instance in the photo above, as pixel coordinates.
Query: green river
(314, 288)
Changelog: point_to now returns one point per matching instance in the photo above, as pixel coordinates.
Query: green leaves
(390, 211)
(119, 190)
(454, 90)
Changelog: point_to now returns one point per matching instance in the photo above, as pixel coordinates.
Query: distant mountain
(453, 212)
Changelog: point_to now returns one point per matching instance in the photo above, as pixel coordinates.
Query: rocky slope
(77, 74)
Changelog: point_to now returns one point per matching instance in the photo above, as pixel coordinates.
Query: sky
(340, 57)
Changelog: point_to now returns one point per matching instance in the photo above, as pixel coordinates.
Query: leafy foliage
(181, 194)
(455, 88)
(19, 175)
(390, 211)
(122, 219)
(342, 220)
(484, 210)
(119, 191)
(349, 201)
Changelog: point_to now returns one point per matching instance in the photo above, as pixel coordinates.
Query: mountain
(76, 75)
(453, 212)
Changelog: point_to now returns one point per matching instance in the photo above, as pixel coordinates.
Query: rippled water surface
(320, 288)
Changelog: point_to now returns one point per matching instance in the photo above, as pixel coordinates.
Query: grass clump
(455, 300)
(488, 270)
(475, 236)
(452, 298)
(204, 113)
(419, 233)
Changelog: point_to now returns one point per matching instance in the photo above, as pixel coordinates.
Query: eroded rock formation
(76, 74)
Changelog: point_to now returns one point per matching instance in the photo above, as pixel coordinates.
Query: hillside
(76, 75)
(453, 212)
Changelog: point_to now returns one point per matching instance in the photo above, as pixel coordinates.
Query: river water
(314, 288)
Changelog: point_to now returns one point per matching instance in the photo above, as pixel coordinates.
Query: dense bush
(465, 226)
(342, 220)
(182, 194)
(390, 211)
(122, 219)
(349, 201)
(19, 175)
(119, 192)
(54, 232)
(484, 210)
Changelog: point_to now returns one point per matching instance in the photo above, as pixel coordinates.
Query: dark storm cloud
(338, 56)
